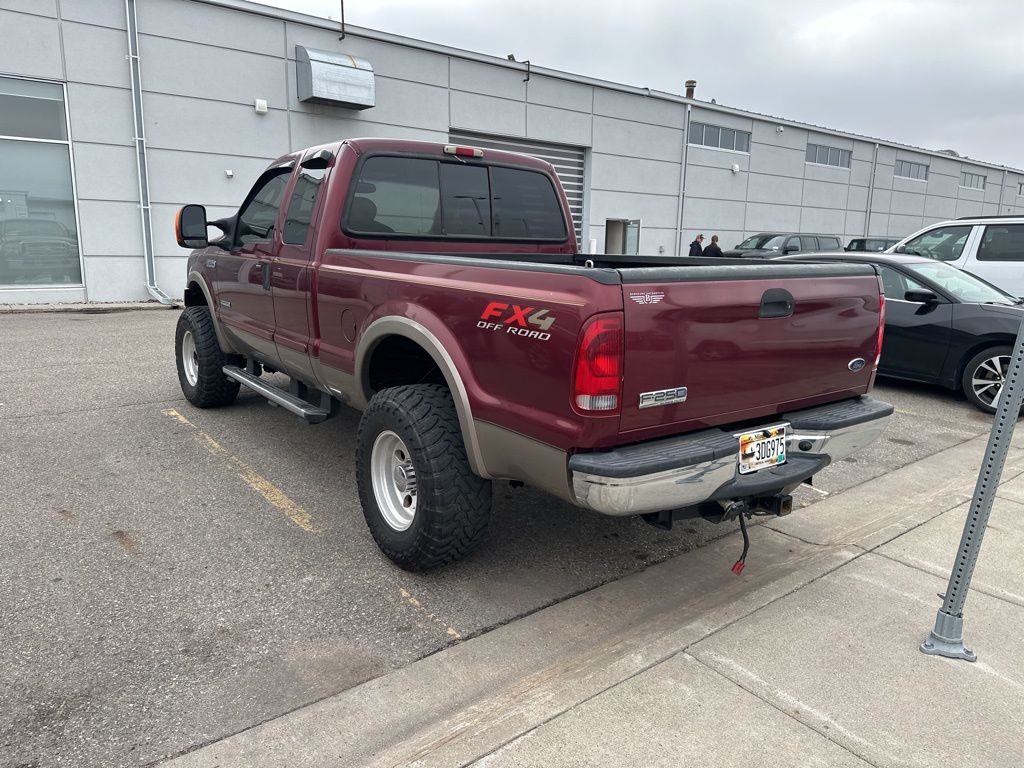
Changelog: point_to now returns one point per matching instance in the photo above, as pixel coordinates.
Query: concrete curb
(91, 308)
(461, 704)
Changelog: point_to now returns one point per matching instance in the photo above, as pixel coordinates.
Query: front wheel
(984, 375)
(422, 502)
(201, 360)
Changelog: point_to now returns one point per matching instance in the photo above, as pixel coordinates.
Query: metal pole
(947, 638)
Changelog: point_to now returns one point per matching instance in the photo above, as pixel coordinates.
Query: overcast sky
(940, 74)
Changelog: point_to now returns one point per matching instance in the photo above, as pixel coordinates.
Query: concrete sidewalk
(810, 658)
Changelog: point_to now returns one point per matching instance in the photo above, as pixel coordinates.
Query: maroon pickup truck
(439, 289)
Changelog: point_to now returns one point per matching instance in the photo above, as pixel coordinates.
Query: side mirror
(921, 297)
(190, 227)
(900, 249)
(790, 249)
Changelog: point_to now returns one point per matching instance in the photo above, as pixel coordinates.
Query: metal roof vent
(325, 77)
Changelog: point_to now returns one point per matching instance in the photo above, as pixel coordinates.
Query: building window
(908, 170)
(1020, 189)
(38, 228)
(972, 180)
(822, 155)
(716, 136)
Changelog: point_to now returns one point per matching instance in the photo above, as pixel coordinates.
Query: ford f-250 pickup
(439, 289)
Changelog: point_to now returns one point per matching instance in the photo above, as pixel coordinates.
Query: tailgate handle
(776, 302)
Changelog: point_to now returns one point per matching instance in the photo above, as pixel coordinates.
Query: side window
(795, 243)
(525, 205)
(465, 200)
(829, 244)
(1004, 242)
(257, 217)
(892, 283)
(895, 284)
(300, 207)
(941, 244)
(396, 195)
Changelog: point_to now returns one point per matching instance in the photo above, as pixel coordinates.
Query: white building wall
(203, 65)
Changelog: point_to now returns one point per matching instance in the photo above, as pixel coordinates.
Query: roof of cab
(407, 146)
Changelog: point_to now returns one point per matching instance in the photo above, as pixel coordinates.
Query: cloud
(933, 73)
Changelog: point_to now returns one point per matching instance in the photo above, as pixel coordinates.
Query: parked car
(770, 244)
(991, 247)
(438, 289)
(942, 325)
(875, 244)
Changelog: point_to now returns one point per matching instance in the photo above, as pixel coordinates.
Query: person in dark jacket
(713, 250)
(695, 246)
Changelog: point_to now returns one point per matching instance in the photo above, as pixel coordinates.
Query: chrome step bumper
(684, 471)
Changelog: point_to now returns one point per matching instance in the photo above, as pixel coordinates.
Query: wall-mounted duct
(140, 155)
(325, 77)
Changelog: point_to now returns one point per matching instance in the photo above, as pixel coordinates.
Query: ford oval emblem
(856, 364)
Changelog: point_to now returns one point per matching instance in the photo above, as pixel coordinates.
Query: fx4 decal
(530, 322)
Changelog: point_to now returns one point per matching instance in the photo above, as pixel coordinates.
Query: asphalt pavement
(173, 576)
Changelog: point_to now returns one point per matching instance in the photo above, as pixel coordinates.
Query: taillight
(597, 381)
(881, 328)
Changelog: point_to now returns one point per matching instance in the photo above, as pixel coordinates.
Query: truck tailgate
(746, 341)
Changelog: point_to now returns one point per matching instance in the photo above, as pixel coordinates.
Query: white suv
(991, 247)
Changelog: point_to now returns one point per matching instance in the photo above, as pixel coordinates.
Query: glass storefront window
(38, 228)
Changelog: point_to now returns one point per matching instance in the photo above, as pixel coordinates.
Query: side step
(277, 396)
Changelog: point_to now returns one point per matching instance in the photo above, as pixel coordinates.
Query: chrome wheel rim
(987, 379)
(190, 358)
(394, 480)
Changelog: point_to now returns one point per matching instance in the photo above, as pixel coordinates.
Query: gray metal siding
(618, 150)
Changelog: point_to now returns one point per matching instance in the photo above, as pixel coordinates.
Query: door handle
(265, 266)
(776, 302)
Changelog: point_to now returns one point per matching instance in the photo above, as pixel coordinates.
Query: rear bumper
(684, 471)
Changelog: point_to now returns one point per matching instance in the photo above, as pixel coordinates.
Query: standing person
(713, 250)
(695, 247)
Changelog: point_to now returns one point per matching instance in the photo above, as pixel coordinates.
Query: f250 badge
(530, 322)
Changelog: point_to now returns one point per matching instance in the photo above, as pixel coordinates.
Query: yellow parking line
(274, 495)
(449, 630)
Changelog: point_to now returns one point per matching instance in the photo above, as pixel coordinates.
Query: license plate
(762, 448)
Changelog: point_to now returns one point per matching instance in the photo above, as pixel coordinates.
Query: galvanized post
(947, 638)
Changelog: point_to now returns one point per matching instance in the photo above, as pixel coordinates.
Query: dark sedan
(942, 326)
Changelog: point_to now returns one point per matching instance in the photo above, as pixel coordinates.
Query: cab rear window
(424, 198)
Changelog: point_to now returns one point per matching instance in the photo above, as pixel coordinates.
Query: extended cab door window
(257, 216)
(398, 195)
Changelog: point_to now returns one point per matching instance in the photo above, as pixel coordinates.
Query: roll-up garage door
(568, 163)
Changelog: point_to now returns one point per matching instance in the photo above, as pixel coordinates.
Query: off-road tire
(453, 505)
(966, 379)
(212, 388)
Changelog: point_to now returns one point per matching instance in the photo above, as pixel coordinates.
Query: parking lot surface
(171, 576)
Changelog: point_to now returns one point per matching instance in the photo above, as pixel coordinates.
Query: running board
(277, 396)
